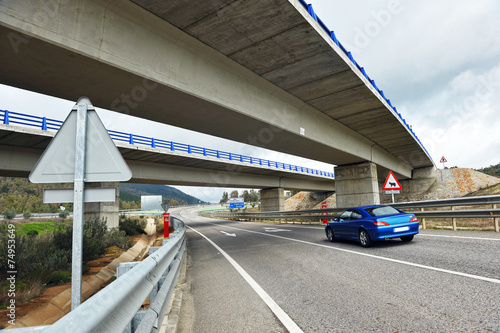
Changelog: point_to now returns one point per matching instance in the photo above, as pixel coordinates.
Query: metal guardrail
(331, 213)
(10, 117)
(114, 308)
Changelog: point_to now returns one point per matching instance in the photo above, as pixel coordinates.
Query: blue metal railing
(311, 12)
(10, 118)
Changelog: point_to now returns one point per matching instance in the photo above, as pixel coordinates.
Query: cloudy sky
(437, 61)
(439, 64)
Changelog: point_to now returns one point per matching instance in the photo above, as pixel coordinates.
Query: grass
(40, 227)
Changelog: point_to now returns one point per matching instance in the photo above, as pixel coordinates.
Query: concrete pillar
(321, 196)
(357, 185)
(106, 210)
(272, 199)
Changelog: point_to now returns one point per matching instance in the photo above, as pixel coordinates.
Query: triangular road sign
(443, 160)
(391, 183)
(103, 161)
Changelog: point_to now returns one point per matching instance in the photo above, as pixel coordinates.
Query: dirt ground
(95, 266)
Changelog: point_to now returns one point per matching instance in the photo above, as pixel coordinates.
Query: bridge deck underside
(274, 40)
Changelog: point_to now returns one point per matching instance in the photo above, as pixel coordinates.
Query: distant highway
(443, 281)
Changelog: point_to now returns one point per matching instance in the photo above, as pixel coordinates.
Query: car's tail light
(414, 219)
(380, 223)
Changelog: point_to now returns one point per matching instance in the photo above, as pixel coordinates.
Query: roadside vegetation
(43, 252)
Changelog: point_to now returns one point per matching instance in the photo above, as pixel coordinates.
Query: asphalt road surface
(257, 277)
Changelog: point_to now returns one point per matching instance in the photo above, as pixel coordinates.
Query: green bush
(32, 233)
(46, 258)
(9, 213)
(27, 214)
(94, 244)
(117, 237)
(131, 226)
(63, 214)
(58, 277)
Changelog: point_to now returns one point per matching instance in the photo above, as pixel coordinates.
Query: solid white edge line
(290, 325)
(461, 237)
(472, 276)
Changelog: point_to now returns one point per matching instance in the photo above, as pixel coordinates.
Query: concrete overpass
(21, 147)
(260, 72)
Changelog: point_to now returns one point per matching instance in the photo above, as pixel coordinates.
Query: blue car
(372, 223)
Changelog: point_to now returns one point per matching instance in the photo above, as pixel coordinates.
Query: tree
(254, 196)
(9, 213)
(225, 198)
(234, 194)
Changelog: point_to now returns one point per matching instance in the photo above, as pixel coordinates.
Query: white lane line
(290, 325)
(461, 237)
(472, 276)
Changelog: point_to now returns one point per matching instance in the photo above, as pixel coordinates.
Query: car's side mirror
(336, 219)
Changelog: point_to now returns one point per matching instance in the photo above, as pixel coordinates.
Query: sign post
(95, 159)
(443, 160)
(392, 185)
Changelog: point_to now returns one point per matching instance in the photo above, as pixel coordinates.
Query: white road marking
(228, 234)
(290, 325)
(461, 237)
(472, 276)
(275, 230)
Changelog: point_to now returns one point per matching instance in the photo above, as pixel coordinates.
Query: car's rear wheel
(407, 238)
(364, 238)
(330, 235)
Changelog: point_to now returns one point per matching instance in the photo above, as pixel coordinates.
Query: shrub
(27, 214)
(94, 244)
(116, 237)
(9, 213)
(58, 277)
(132, 227)
(32, 233)
(63, 214)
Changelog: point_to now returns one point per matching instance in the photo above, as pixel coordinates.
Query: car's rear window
(381, 210)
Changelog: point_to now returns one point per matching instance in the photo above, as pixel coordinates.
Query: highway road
(257, 277)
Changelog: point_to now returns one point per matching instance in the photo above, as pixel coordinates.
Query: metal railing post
(454, 220)
(423, 219)
(496, 220)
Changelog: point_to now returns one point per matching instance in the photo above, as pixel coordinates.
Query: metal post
(496, 220)
(424, 226)
(454, 220)
(78, 202)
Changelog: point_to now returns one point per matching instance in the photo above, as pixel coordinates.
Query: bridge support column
(320, 196)
(357, 185)
(272, 199)
(106, 210)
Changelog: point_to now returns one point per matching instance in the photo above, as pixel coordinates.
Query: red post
(166, 225)
(323, 206)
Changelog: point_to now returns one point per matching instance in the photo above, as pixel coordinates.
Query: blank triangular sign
(103, 161)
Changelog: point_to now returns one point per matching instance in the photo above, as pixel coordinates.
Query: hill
(20, 194)
(133, 192)
(492, 170)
